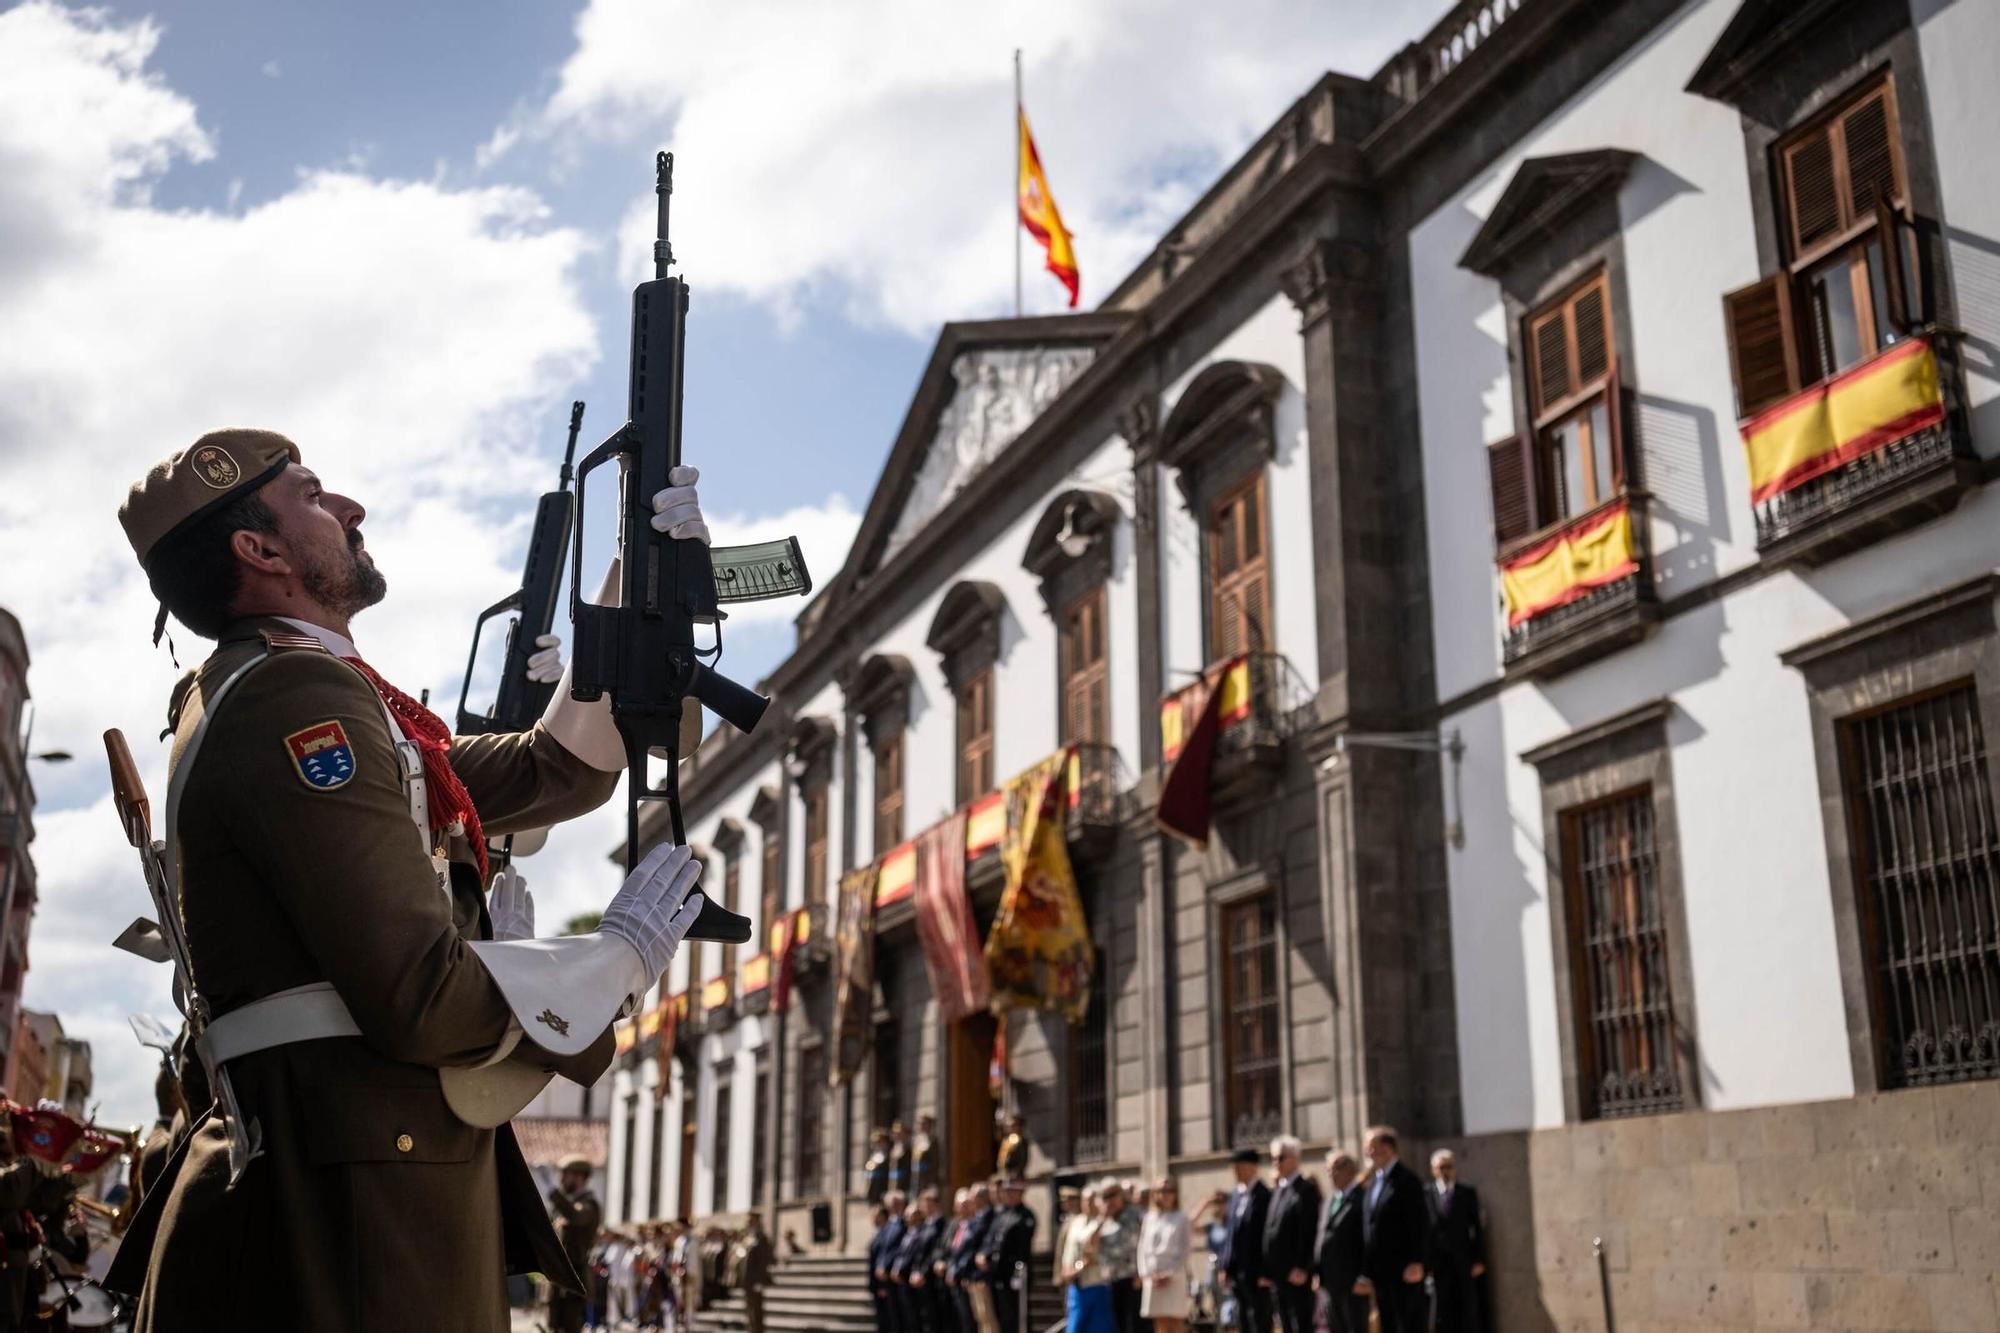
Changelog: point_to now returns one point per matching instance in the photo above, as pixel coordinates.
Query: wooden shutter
(888, 793)
(1763, 344)
(732, 889)
(1239, 573)
(1901, 315)
(1512, 480)
(1867, 136)
(1834, 172)
(1083, 669)
(975, 736)
(1813, 193)
(1569, 346)
(772, 890)
(816, 844)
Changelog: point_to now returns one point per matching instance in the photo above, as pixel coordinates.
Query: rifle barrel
(663, 186)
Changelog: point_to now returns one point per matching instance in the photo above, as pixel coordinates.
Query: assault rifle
(643, 652)
(521, 700)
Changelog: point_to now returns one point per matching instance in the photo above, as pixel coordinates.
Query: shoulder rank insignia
(321, 755)
(279, 641)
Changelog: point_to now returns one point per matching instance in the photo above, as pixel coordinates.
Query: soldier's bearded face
(342, 578)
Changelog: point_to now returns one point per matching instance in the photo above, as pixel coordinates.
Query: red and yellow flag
(1040, 215)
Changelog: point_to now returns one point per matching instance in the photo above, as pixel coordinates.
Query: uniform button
(404, 1143)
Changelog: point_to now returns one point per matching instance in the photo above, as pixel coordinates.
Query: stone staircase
(829, 1294)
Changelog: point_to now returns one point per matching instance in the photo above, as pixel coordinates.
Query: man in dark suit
(1290, 1224)
(881, 1250)
(909, 1267)
(1458, 1247)
(1337, 1257)
(1241, 1261)
(1395, 1235)
(961, 1270)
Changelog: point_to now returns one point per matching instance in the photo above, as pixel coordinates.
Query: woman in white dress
(1163, 1256)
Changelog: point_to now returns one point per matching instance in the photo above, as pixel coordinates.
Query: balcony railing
(1861, 454)
(1262, 700)
(1578, 589)
(1093, 784)
(1449, 43)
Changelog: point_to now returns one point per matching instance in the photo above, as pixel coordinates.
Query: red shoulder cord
(450, 803)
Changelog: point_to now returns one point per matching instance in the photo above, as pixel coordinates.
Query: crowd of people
(1378, 1242)
(1376, 1248)
(659, 1275)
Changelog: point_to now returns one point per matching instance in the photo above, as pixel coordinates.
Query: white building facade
(1582, 431)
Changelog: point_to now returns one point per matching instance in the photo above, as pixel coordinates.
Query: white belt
(303, 1013)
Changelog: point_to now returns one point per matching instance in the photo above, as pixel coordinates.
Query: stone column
(1139, 424)
(1386, 911)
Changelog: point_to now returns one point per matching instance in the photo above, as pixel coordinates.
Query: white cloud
(864, 154)
(404, 333)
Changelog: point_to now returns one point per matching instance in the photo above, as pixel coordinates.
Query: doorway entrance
(969, 1100)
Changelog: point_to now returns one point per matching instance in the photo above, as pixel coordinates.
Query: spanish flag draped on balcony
(1190, 722)
(1886, 398)
(1040, 215)
(1038, 953)
(1577, 559)
(853, 972)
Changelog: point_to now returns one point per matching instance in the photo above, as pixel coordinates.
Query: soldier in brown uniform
(576, 1214)
(324, 835)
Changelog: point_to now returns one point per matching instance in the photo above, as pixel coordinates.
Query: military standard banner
(1039, 951)
(945, 924)
(853, 972)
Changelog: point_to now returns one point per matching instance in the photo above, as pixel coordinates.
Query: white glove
(511, 906)
(677, 509)
(545, 667)
(655, 908)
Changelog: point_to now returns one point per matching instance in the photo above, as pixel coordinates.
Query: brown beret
(217, 468)
(574, 1162)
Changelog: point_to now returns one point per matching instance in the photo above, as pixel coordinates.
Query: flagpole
(1014, 204)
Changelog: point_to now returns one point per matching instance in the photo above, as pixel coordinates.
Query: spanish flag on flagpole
(1039, 213)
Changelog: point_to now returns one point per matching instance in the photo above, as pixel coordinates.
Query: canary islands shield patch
(322, 755)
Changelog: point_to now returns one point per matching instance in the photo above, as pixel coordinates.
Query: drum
(89, 1305)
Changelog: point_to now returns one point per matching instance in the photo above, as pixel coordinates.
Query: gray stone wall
(1875, 1212)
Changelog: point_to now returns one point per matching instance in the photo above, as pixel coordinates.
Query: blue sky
(406, 235)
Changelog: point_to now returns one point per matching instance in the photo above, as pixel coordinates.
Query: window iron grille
(1920, 800)
(812, 1123)
(1620, 952)
(1089, 1076)
(1253, 1062)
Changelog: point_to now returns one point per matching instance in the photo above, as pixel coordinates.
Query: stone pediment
(995, 393)
(1544, 193)
(985, 385)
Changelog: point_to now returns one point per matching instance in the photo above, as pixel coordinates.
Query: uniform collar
(337, 644)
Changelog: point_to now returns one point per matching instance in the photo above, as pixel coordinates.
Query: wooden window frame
(1803, 357)
(1234, 1080)
(627, 1174)
(1595, 763)
(1932, 643)
(975, 735)
(760, 1107)
(1575, 403)
(719, 1142)
(658, 1196)
(818, 820)
(1587, 1000)
(809, 1166)
(771, 881)
(888, 755)
(1085, 679)
(1256, 629)
(732, 897)
(1080, 1071)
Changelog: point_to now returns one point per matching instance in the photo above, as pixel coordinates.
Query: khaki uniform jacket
(373, 1207)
